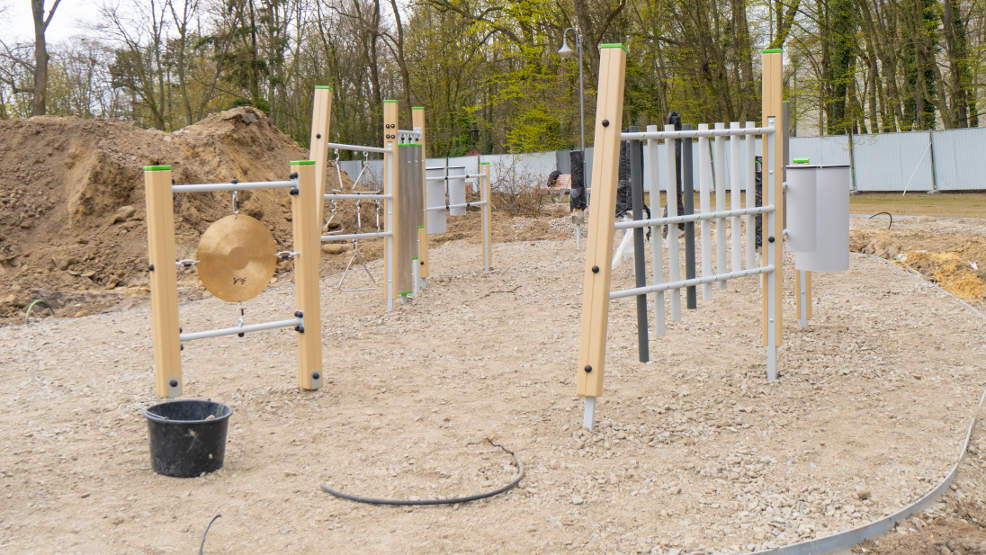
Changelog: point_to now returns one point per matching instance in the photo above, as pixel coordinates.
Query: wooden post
(599, 247)
(163, 280)
(773, 167)
(308, 245)
(487, 221)
(321, 116)
(418, 123)
(391, 167)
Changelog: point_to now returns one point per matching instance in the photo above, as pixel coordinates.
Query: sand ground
(692, 451)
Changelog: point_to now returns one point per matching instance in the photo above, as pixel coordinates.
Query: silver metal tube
(689, 282)
(629, 224)
(657, 241)
(774, 252)
(356, 148)
(352, 236)
(241, 329)
(242, 186)
(695, 133)
(370, 196)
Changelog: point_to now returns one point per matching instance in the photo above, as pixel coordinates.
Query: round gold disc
(237, 257)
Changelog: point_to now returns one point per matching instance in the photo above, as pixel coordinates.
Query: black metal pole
(636, 149)
(688, 192)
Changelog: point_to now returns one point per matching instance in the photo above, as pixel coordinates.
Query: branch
(51, 13)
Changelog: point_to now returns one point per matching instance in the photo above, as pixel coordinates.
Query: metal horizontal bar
(371, 196)
(464, 205)
(241, 329)
(352, 236)
(242, 186)
(443, 167)
(695, 133)
(631, 224)
(463, 176)
(688, 282)
(357, 148)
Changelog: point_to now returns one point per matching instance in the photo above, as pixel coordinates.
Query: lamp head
(565, 51)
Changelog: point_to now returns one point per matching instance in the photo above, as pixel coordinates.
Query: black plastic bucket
(188, 436)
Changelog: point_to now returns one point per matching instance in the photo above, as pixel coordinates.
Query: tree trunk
(40, 55)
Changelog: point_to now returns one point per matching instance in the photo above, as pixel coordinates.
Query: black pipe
(688, 190)
(636, 149)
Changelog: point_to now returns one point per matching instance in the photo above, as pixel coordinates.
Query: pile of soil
(72, 229)
(955, 261)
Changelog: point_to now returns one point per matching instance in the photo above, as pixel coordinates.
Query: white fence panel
(959, 161)
(892, 162)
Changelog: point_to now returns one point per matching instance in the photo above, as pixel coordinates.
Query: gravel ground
(692, 451)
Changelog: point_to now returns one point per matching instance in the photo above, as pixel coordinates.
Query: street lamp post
(566, 52)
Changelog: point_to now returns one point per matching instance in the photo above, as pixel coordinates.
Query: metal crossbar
(241, 186)
(370, 196)
(463, 205)
(696, 133)
(621, 293)
(356, 236)
(357, 148)
(295, 322)
(631, 224)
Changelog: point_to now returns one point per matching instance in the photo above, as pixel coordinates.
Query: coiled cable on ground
(446, 501)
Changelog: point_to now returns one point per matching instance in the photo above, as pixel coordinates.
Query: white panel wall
(885, 162)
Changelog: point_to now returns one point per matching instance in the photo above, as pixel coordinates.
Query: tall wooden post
(308, 245)
(773, 167)
(321, 117)
(599, 247)
(163, 280)
(392, 206)
(487, 213)
(418, 123)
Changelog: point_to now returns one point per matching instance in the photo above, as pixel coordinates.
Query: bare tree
(41, 22)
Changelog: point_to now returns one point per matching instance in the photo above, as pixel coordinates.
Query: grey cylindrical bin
(801, 207)
(436, 199)
(831, 253)
(457, 189)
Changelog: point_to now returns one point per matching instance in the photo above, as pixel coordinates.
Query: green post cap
(419, 227)
(390, 101)
(404, 293)
(302, 162)
(613, 45)
(323, 87)
(481, 163)
(800, 160)
(773, 50)
(417, 107)
(156, 168)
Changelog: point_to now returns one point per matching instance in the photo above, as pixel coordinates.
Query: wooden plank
(599, 247)
(391, 166)
(418, 123)
(772, 89)
(321, 117)
(308, 244)
(163, 280)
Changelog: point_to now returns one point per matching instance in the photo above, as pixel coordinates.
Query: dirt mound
(956, 262)
(72, 228)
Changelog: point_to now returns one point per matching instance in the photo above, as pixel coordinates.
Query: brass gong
(237, 257)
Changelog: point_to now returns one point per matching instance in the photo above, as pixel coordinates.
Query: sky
(73, 17)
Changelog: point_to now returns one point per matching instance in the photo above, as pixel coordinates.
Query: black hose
(202, 545)
(449, 501)
(888, 214)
